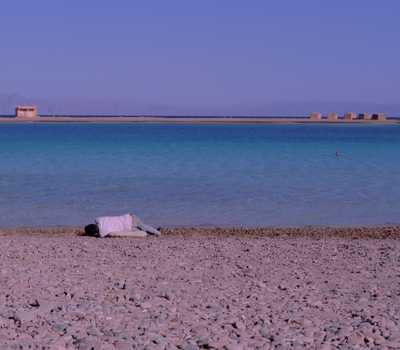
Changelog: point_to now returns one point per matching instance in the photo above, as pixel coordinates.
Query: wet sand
(190, 120)
(309, 288)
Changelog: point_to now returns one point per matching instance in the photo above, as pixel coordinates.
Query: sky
(205, 57)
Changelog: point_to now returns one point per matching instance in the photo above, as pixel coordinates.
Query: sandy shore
(188, 120)
(310, 288)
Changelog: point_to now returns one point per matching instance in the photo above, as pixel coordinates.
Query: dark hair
(92, 230)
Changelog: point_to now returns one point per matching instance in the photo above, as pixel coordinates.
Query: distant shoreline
(190, 120)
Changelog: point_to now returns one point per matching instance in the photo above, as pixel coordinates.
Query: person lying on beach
(127, 225)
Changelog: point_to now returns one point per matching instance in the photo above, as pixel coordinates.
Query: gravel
(310, 288)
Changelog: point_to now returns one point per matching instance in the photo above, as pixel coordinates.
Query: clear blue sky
(187, 54)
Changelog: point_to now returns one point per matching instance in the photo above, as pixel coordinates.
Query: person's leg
(138, 224)
(149, 229)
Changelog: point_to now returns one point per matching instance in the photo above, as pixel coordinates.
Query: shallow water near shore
(200, 175)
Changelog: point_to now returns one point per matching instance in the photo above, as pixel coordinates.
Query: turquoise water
(246, 175)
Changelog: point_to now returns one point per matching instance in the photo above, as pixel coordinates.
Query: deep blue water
(247, 175)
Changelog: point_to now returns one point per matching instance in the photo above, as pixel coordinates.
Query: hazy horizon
(82, 106)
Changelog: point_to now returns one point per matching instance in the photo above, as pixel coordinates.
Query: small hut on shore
(364, 116)
(378, 116)
(26, 112)
(315, 116)
(349, 116)
(332, 116)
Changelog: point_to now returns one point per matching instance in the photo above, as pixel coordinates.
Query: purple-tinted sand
(310, 288)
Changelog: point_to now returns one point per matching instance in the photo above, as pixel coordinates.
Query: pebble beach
(308, 288)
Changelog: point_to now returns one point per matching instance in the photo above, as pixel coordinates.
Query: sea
(200, 175)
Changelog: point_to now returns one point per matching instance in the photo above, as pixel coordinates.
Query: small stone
(145, 305)
(393, 343)
(356, 339)
(35, 303)
(235, 347)
(239, 325)
(202, 343)
(26, 315)
(191, 347)
(261, 284)
(122, 345)
(88, 343)
(61, 328)
(265, 332)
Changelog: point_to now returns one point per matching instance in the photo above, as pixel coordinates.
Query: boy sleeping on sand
(127, 225)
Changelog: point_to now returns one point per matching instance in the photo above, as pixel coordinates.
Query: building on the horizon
(315, 116)
(26, 112)
(364, 116)
(378, 116)
(332, 116)
(349, 116)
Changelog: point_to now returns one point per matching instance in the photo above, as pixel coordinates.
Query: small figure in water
(337, 154)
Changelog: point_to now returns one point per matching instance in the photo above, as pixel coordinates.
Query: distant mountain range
(109, 106)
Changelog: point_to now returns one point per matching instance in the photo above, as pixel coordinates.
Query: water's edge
(314, 232)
